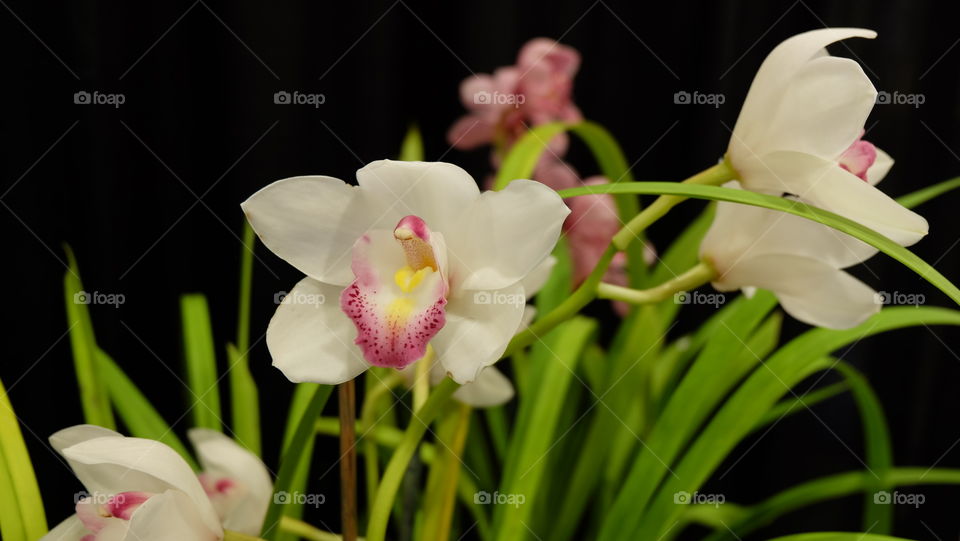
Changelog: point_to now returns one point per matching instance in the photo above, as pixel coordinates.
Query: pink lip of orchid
(859, 158)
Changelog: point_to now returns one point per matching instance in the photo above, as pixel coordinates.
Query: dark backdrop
(148, 193)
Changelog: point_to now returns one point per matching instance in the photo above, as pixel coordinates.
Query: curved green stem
(368, 415)
(305, 531)
(693, 278)
(716, 175)
(393, 476)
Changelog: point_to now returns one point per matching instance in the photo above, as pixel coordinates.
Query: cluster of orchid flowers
(418, 266)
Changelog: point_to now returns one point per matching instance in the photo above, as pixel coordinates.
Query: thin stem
(716, 175)
(237, 536)
(421, 381)
(693, 278)
(246, 279)
(393, 476)
(348, 458)
(305, 531)
(445, 473)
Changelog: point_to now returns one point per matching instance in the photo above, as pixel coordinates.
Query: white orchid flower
(799, 260)
(413, 257)
(137, 490)
(236, 480)
(800, 132)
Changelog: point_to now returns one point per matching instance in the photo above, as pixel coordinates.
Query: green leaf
(917, 198)
(298, 446)
(844, 225)
(534, 434)
(244, 401)
(93, 394)
(411, 150)
(838, 536)
(746, 406)
(201, 362)
(796, 404)
(244, 397)
(21, 508)
(137, 413)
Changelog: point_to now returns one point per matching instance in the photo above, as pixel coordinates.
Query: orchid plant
(460, 312)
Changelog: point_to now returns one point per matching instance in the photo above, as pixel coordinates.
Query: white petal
(312, 223)
(821, 112)
(808, 290)
(491, 388)
(220, 455)
(479, 326)
(167, 516)
(70, 529)
(311, 339)
(772, 79)
(73, 435)
(505, 235)
(881, 166)
(533, 282)
(437, 192)
(109, 465)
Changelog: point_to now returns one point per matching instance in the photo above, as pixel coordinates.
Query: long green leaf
(244, 397)
(838, 536)
(137, 413)
(739, 415)
(22, 508)
(844, 225)
(794, 405)
(201, 362)
(93, 394)
(538, 416)
(917, 198)
(411, 150)
(296, 446)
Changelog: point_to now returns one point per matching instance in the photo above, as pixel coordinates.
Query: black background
(148, 193)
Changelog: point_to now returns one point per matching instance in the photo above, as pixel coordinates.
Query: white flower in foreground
(138, 490)
(490, 388)
(799, 132)
(799, 260)
(415, 256)
(236, 480)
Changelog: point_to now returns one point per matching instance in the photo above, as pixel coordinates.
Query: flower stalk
(347, 394)
(691, 279)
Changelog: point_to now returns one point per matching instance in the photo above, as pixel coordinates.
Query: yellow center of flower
(408, 279)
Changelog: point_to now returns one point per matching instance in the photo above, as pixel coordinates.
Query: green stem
(305, 531)
(246, 280)
(368, 413)
(444, 475)
(567, 309)
(714, 176)
(692, 279)
(237, 536)
(393, 475)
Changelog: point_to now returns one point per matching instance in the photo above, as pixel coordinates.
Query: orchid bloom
(797, 259)
(139, 490)
(537, 90)
(800, 133)
(414, 258)
(236, 480)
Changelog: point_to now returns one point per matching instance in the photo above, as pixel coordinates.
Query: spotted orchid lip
(397, 303)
